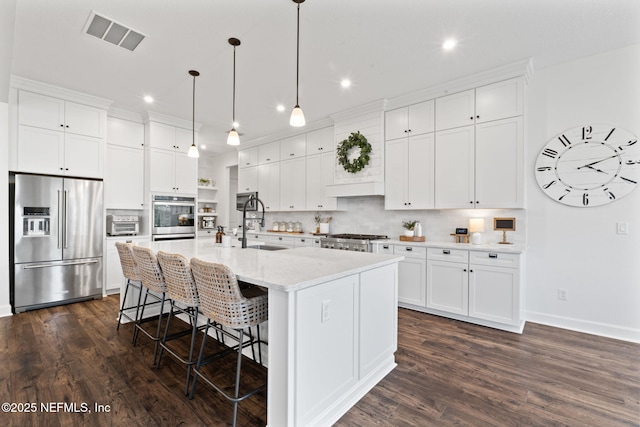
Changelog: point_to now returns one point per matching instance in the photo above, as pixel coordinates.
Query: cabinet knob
(67, 126)
(409, 130)
(268, 160)
(292, 154)
(320, 148)
(477, 201)
(471, 118)
(61, 125)
(66, 169)
(477, 117)
(471, 201)
(464, 269)
(470, 271)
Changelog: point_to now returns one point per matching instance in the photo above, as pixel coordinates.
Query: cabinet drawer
(410, 251)
(383, 248)
(452, 255)
(284, 240)
(497, 259)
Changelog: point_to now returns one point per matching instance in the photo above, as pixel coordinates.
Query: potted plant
(317, 218)
(409, 226)
(204, 182)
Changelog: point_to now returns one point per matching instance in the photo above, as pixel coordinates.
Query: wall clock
(589, 165)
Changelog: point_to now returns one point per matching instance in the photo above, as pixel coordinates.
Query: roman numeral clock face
(589, 165)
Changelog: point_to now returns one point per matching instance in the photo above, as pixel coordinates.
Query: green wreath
(356, 139)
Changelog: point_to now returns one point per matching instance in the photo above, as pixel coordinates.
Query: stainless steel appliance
(350, 242)
(247, 202)
(173, 217)
(123, 225)
(208, 222)
(56, 244)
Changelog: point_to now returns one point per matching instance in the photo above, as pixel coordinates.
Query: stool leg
(238, 366)
(157, 340)
(199, 362)
(124, 300)
(139, 319)
(194, 331)
(164, 338)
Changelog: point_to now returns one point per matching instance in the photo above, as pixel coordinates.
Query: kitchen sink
(267, 247)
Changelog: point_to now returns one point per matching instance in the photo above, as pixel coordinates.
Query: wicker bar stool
(222, 302)
(184, 299)
(152, 280)
(130, 272)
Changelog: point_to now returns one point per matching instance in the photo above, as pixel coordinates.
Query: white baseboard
(588, 327)
(5, 310)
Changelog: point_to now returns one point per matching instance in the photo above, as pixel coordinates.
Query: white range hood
(355, 189)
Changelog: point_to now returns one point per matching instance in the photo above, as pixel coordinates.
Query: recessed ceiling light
(345, 83)
(148, 99)
(449, 44)
(280, 107)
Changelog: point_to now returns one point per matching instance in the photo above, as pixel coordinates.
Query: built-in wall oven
(173, 217)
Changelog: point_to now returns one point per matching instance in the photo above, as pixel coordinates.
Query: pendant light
(297, 116)
(234, 138)
(193, 150)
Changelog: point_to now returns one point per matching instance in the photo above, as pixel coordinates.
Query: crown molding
(287, 133)
(152, 116)
(29, 85)
(377, 106)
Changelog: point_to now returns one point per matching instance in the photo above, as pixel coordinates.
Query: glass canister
(290, 226)
(282, 226)
(275, 226)
(297, 227)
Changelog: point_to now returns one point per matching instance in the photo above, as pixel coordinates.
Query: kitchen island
(332, 328)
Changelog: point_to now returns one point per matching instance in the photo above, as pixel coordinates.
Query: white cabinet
(320, 169)
(412, 271)
(248, 157)
(320, 140)
(455, 168)
(125, 133)
(268, 153)
(207, 200)
(166, 137)
(124, 178)
(172, 172)
(306, 241)
(292, 184)
(248, 179)
(59, 137)
(455, 110)
(408, 121)
(448, 280)
(293, 147)
(409, 179)
(115, 280)
(269, 186)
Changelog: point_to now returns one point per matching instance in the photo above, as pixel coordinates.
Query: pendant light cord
(298, 56)
(193, 116)
(234, 89)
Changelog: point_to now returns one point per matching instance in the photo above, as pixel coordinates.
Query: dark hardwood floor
(449, 373)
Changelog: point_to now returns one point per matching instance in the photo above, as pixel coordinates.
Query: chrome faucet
(244, 218)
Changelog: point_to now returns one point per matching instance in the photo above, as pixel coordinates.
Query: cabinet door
(494, 294)
(125, 133)
(184, 139)
(162, 136)
(40, 150)
(40, 111)
(396, 174)
(84, 120)
(500, 100)
(292, 184)
(269, 186)
(396, 123)
(162, 171)
(248, 157)
(421, 172)
(269, 153)
(248, 179)
(124, 178)
(454, 168)
(83, 156)
(448, 287)
(455, 110)
(412, 278)
(320, 140)
(421, 118)
(500, 164)
(115, 279)
(319, 171)
(186, 174)
(296, 146)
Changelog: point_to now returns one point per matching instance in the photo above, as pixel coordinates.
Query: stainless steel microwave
(251, 198)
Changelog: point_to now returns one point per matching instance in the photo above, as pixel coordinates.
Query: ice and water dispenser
(36, 221)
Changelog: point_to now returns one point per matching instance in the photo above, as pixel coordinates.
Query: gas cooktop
(357, 236)
(350, 242)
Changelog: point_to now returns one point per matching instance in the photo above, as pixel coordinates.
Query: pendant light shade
(297, 116)
(234, 138)
(193, 150)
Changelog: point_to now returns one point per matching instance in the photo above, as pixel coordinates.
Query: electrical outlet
(622, 227)
(325, 310)
(562, 294)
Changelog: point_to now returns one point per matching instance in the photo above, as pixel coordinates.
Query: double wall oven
(173, 218)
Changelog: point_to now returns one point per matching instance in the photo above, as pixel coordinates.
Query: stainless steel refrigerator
(57, 240)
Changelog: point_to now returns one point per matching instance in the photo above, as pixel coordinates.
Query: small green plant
(317, 218)
(409, 225)
(204, 181)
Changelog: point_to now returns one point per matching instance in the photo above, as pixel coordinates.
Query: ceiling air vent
(109, 30)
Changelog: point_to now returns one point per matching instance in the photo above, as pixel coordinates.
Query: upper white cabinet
(268, 185)
(59, 137)
(319, 170)
(415, 119)
(56, 114)
(409, 173)
(295, 146)
(455, 168)
(486, 103)
(166, 137)
(292, 184)
(125, 133)
(319, 141)
(248, 179)
(248, 157)
(268, 153)
(124, 178)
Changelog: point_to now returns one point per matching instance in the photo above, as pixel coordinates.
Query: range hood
(355, 189)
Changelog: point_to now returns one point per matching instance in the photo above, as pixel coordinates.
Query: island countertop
(285, 270)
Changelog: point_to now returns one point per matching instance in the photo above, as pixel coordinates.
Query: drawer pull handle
(409, 249)
(493, 255)
(446, 251)
(385, 246)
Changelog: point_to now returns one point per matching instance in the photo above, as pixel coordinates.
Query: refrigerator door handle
(66, 207)
(59, 221)
(59, 264)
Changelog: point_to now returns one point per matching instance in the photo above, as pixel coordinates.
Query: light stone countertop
(285, 270)
(493, 247)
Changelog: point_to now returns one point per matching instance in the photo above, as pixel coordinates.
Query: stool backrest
(221, 299)
(149, 269)
(178, 277)
(129, 268)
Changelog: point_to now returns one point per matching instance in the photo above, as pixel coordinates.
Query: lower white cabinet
(448, 280)
(115, 279)
(412, 274)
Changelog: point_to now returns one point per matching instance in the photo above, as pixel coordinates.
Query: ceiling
(386, 48)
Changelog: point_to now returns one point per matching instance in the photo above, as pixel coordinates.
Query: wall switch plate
(622, 227)
(562, 294)
(325, 310)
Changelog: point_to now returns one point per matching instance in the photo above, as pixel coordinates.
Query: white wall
(219, 165)
(577, 249)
